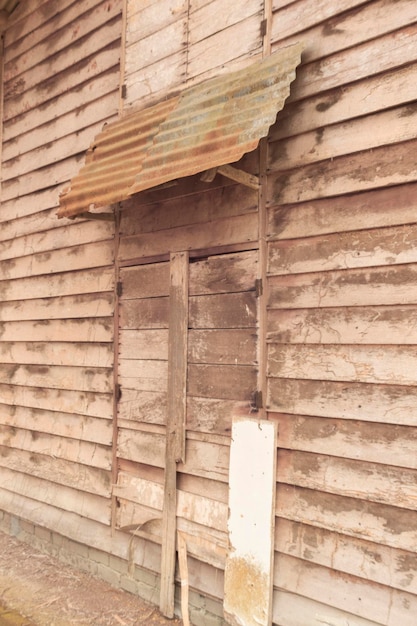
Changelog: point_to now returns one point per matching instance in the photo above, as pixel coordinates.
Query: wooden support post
(175, 441)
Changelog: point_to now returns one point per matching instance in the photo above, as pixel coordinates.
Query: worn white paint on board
(249, 572)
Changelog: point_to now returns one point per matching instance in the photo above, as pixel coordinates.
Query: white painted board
(249, 571)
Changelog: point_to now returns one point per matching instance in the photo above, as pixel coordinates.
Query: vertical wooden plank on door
(175, 437)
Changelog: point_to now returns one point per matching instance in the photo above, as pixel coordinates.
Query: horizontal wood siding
(56, 277)
(341, 308)
(213, 222)
(182, 42)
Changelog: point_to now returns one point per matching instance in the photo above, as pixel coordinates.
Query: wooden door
(221, 381)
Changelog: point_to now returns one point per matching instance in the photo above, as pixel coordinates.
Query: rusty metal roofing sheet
(210, 124)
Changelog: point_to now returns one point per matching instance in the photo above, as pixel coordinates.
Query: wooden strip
(84, 428)
(145, 281)
(231, 346)
(144, 344)
(143, 406)
(291, 609)
(84, 452)
(395, 285)
(352, 439)
(351, 478)
(154, 80)
(67, 401)
(384, 605)
(97, 306)
(143, 375)
(207, 276)
(209, 415)
(43, 330)
(234, 230)
(58, 377)
(390, 206)
(70, 473)
(388, 404)
(175, 445)
(347, 554)
(368, 364)
(228, 382)
(230, 310)
(381, 523)
(71, 283)
(350, 325)
(183, 568)
(345, 174)
(59, 353)
(143, 20)
(90, 505)
(203, 22)
(144, 313)
(389, 127)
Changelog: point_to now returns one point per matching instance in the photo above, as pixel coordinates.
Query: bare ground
(50, 593)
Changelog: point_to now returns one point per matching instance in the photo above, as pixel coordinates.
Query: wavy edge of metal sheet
(207, 125)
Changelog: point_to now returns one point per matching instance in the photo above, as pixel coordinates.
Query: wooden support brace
(249, 180)
(175, 442)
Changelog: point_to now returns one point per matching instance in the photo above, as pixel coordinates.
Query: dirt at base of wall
(50, 593)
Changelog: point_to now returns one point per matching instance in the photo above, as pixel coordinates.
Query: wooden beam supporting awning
(206, 126)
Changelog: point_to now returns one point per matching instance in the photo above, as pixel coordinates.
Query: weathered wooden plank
(73, 235)
(143, 406)
(380, 564)
(369, 364)
(85, 452)
(80, 427)
(58, 377)
(202, 458)
(369, 95)
(369, 58)
(70, 283)
(240, 229)
(195, 507)
(96, 23)
(233, 310)
(224, 273)
(209, 415)
(66, 401)
(350, 325)
(385, 166)
(204, 17)
(208, 205)
(95, 36)
(388, 404)
(144, 313)
(97, 305)
(384, 605)
(229, 382)
(19, 101)
(248, 575)
(60, 353)
(291, 609)
(374, 247)
(70, 473)
(353, 439)
(164, 43)
(66, 498)
(379, 129)
(241, 40)
(373, 482)
(231, 346)
(300, 13)
(176, 416)
(144, 344)
(340, 31)
(390, 206)
(77, 330)
(380, 523)
(143, 375)
(357, 287)
(143, 20)
(155, 80)
(145, 281)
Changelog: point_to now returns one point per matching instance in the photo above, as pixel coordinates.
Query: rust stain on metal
(211, 124)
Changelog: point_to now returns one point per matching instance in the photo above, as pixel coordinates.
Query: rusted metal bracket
(244, 178)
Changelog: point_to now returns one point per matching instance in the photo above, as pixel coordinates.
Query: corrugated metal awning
(207, 125)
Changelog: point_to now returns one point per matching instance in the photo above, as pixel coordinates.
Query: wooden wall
(342, 198)
(217, 224)
(185, 41)
(56, 277)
